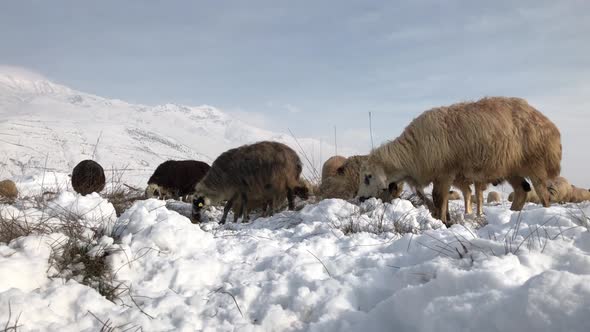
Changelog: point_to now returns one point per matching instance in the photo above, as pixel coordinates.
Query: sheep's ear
(392, 187)
(340, 170)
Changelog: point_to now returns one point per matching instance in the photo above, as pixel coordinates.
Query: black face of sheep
(88, 177)
(198, 204)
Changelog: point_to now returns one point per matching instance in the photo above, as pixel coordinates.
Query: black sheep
(88, 177)
(176, 178)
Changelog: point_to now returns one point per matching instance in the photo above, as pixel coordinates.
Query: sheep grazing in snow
(176, 178)
(263, 171)
(531, 197)
(579, 195)
(331, 166)
(493, 138)
(494, 197)
(345, 183)
(561, 191)
(8, 191)
(88, 177)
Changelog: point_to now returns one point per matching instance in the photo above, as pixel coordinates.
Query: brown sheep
(331, 166)
(88, 177)
(176, 178)
(579, 195)
(345, 183)
(494, 197)
(261, 171)
(8, 190)
(560, 190)
(493, 138)
(531, 197)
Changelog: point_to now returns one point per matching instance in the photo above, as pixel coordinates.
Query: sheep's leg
(540, 186)
(264, 209)
(520, 194)
(429, 204)
(290, 198)
(466, 191)
(244, 210)
(271, 207)
(479, 188)
(440, 197)
(226, 209)
(240, 212)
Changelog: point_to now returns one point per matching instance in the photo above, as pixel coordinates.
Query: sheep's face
(152, 190)
(198, 204)
(373, 182)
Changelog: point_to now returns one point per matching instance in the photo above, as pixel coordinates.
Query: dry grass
(76, 256)
(11, 326)
(108, 326)
(368, 220)
(120, 194)
(15, 225)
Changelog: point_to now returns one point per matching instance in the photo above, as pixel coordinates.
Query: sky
(312, 66)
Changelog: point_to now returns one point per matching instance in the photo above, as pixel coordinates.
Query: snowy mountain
(44, 125)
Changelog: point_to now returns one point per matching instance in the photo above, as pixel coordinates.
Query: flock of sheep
(492, 140)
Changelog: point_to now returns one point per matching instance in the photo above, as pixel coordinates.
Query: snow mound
(308, 270)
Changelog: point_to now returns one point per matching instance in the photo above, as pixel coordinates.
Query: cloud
(20, 72)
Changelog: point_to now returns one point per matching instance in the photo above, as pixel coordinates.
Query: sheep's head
(301, 191)
(202, 197)
(152, 190)
(199, 202)
(373, 182)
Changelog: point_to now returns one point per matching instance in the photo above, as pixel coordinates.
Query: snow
(331, 266)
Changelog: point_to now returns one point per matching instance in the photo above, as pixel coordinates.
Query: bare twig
(222, 291)
(319, 260)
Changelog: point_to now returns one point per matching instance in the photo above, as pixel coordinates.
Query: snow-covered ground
(331, 266)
